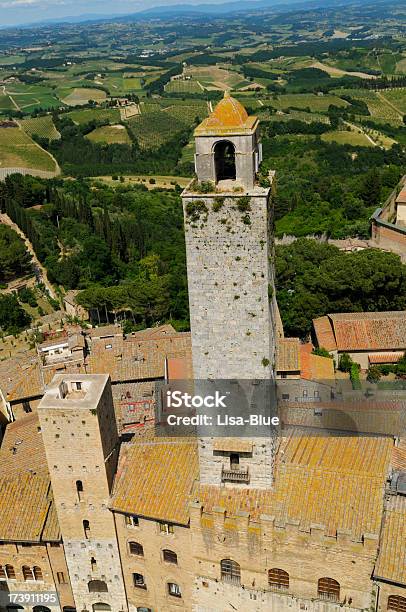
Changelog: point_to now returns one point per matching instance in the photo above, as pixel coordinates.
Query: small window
(284, 375)
(93, 564)
(79, 489)
(285, 396)
(108, 346)
(305, 393)
(7, 572)
(142, 609)
(278, 579)
(78, 386)
(139, 581)
(174, 589)
(169, 556)
(86, 529)
(27, 573)
(166, 528)
(132, 521)
(328, 588)
(61, 577)
(136, 548)
(316, 394)
(230, 571)
(37, 571)
(396, 603)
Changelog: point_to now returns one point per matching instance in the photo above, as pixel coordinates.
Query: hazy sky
(28, 11)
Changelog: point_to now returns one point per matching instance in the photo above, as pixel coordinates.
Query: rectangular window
(166, 528)
(61, 577)
(131, 521)
(27, 407)
(139, 581)
(174, 589)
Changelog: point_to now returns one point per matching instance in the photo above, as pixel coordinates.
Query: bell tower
(227, 146)
(229, 245)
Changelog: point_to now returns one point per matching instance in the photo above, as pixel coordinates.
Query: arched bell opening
(224, 161)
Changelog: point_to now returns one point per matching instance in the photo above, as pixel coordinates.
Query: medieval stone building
(300, 522)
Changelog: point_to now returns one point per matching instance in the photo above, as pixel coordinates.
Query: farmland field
(99, 114)
(81, 95)
(154, 129)
(356, 139)
(304, 101)
(379, 108)
(213, 77)
(42, 126)
(17, 149)
(183, 87)
(396, 97)
(5, 103)
(110, 134)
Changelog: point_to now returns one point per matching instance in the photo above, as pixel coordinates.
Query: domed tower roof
(228, 116)
(228, 113)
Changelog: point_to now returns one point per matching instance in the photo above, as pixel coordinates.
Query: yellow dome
(228, 113)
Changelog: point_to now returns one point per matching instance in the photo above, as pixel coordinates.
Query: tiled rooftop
(336, 482)
(362, 331)
(391, 564)
(155, 479)
(27, 511)
(288, 355)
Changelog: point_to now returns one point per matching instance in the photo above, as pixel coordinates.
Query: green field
(5, 103)
(17, 149)
(307, 101)
(396, 97)
(110, 134)
(42, 126)
(355, 139)
(82, 95)
(378, 106)
(154, 129)
(183, 87)
(99, 114)
(187, 113)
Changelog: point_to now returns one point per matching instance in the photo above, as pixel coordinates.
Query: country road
(40, 272)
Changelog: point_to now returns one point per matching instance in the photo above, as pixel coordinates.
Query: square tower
(229, 246)
(81, 444)
(227, 145)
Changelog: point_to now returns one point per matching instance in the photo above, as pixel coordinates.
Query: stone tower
(229, 246)
(81, 444)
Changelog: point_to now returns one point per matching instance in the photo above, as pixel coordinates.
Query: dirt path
(395, 108)
(361, 131)
(40, 272)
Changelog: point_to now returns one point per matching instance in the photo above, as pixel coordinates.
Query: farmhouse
(368, 337)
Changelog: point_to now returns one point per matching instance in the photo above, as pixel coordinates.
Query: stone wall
(257, 546)
(81, 445)
(157, 572)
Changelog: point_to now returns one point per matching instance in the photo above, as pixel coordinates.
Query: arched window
(224, 160)
(37, 573)
(328, 588)
(230, 571)
(100, 606)
(7, 572)
(97, 586)
(174, 589)
(27, 573)
(93, 564)
(142, 609)
(136, 548)
(169, 556)
(278, 579)
(396, 603)
(86, 529)
(79, 489)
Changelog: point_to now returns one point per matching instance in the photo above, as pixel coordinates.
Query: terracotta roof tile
(155, 479)
(391, 564)
(288, 355)
(324, 333)
(370, 331)
(337, 482)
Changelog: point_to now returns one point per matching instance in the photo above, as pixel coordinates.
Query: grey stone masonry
(230, 278)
